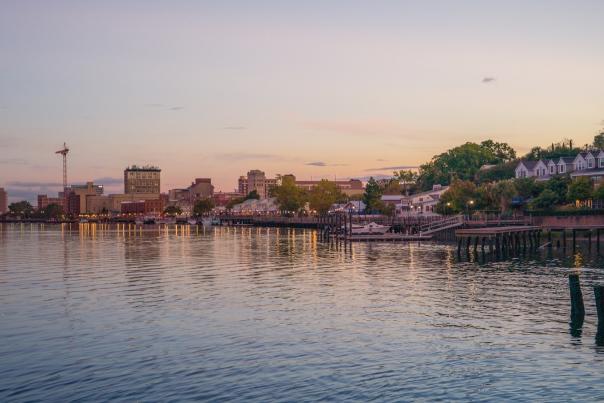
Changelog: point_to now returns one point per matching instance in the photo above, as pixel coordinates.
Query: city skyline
(344, 89)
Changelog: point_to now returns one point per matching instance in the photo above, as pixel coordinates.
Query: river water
(116, 313)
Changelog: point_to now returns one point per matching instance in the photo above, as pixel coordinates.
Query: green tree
(496, 196)
(290, 197)
(461, 197)
(563, 148)
(21, 208)
(528, 187)
(580, 189)
(407, 179)
(52, 211)
(506, 170)
(392, 187)
(502, 151)
(203, 207)
(599, 193)
(599, 141)
(372, 196)
(545, 201)
(324, 195)
(559, 186)
(254, 195)
(172, 211)
(462, 162)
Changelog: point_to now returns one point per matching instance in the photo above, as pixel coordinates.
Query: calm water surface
(96, 313)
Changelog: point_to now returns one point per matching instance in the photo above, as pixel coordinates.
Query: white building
(587, 163)
(420, 203)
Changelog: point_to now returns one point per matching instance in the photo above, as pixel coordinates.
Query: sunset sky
(314, 88)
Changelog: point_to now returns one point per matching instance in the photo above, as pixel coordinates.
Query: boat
(215, 221)
(149, 220)
(83, 221)
(192, 221)
(370, 229)
(206, 221)
(167, 220)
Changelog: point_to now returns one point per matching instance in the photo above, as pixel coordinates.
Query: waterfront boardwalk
(389, 236)
(499, 238)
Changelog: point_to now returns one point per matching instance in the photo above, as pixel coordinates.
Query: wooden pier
(387, 237)
(499, 239)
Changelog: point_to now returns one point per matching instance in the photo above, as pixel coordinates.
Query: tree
(563, 148)
(599, 141)
(52, 211)
(580, 189)
(253, 195)
(527, 187)
(372, 196)
(461, 196)
(407, 179)
(234, 201)
(559, 186)
(392, 187)
(502, 151)
(290, 197)
(324, 195)
(203, 207)
(599, 193)
(546, 200)
(462, 162)
(499, 172)
(172, 211)
(21, 208)
(496, 196)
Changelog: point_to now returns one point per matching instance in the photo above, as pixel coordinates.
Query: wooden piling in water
(599, 295)
(577, 308)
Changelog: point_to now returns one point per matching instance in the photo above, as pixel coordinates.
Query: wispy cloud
(487, 80)
(13, 161)
(109, 181)
(247, 156)
(324, 164)
(33, 184)
(392, 168)
(374, 127)
(164, 106)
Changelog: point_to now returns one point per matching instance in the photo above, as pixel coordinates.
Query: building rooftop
(143, 168)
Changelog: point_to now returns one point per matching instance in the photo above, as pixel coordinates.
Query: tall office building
(142, 180)
(256, 180)
(3, 201)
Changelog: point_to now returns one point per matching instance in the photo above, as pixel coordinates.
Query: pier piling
(577, 308)
(599, 294)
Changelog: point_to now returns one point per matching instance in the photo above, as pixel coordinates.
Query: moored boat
(368, 229)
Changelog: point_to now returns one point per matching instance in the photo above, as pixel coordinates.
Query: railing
(442, 224)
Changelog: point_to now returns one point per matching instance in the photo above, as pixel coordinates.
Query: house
(420, 203)
(586, 163)
(526, 169)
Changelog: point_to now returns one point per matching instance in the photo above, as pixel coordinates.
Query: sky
(332, 89)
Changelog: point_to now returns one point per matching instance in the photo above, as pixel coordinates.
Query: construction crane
(64, 152)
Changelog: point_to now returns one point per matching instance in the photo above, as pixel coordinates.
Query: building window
(552, 169)
(590, 163)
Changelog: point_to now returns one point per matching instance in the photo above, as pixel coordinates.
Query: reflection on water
(100, 312)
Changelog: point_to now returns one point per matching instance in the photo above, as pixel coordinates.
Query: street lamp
(469, 205)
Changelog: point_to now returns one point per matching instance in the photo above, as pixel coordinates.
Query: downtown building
(256, 180)
(142, 180)
(3, 201)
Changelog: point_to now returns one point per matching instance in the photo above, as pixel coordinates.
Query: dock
(387, 237)
(499, 239)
